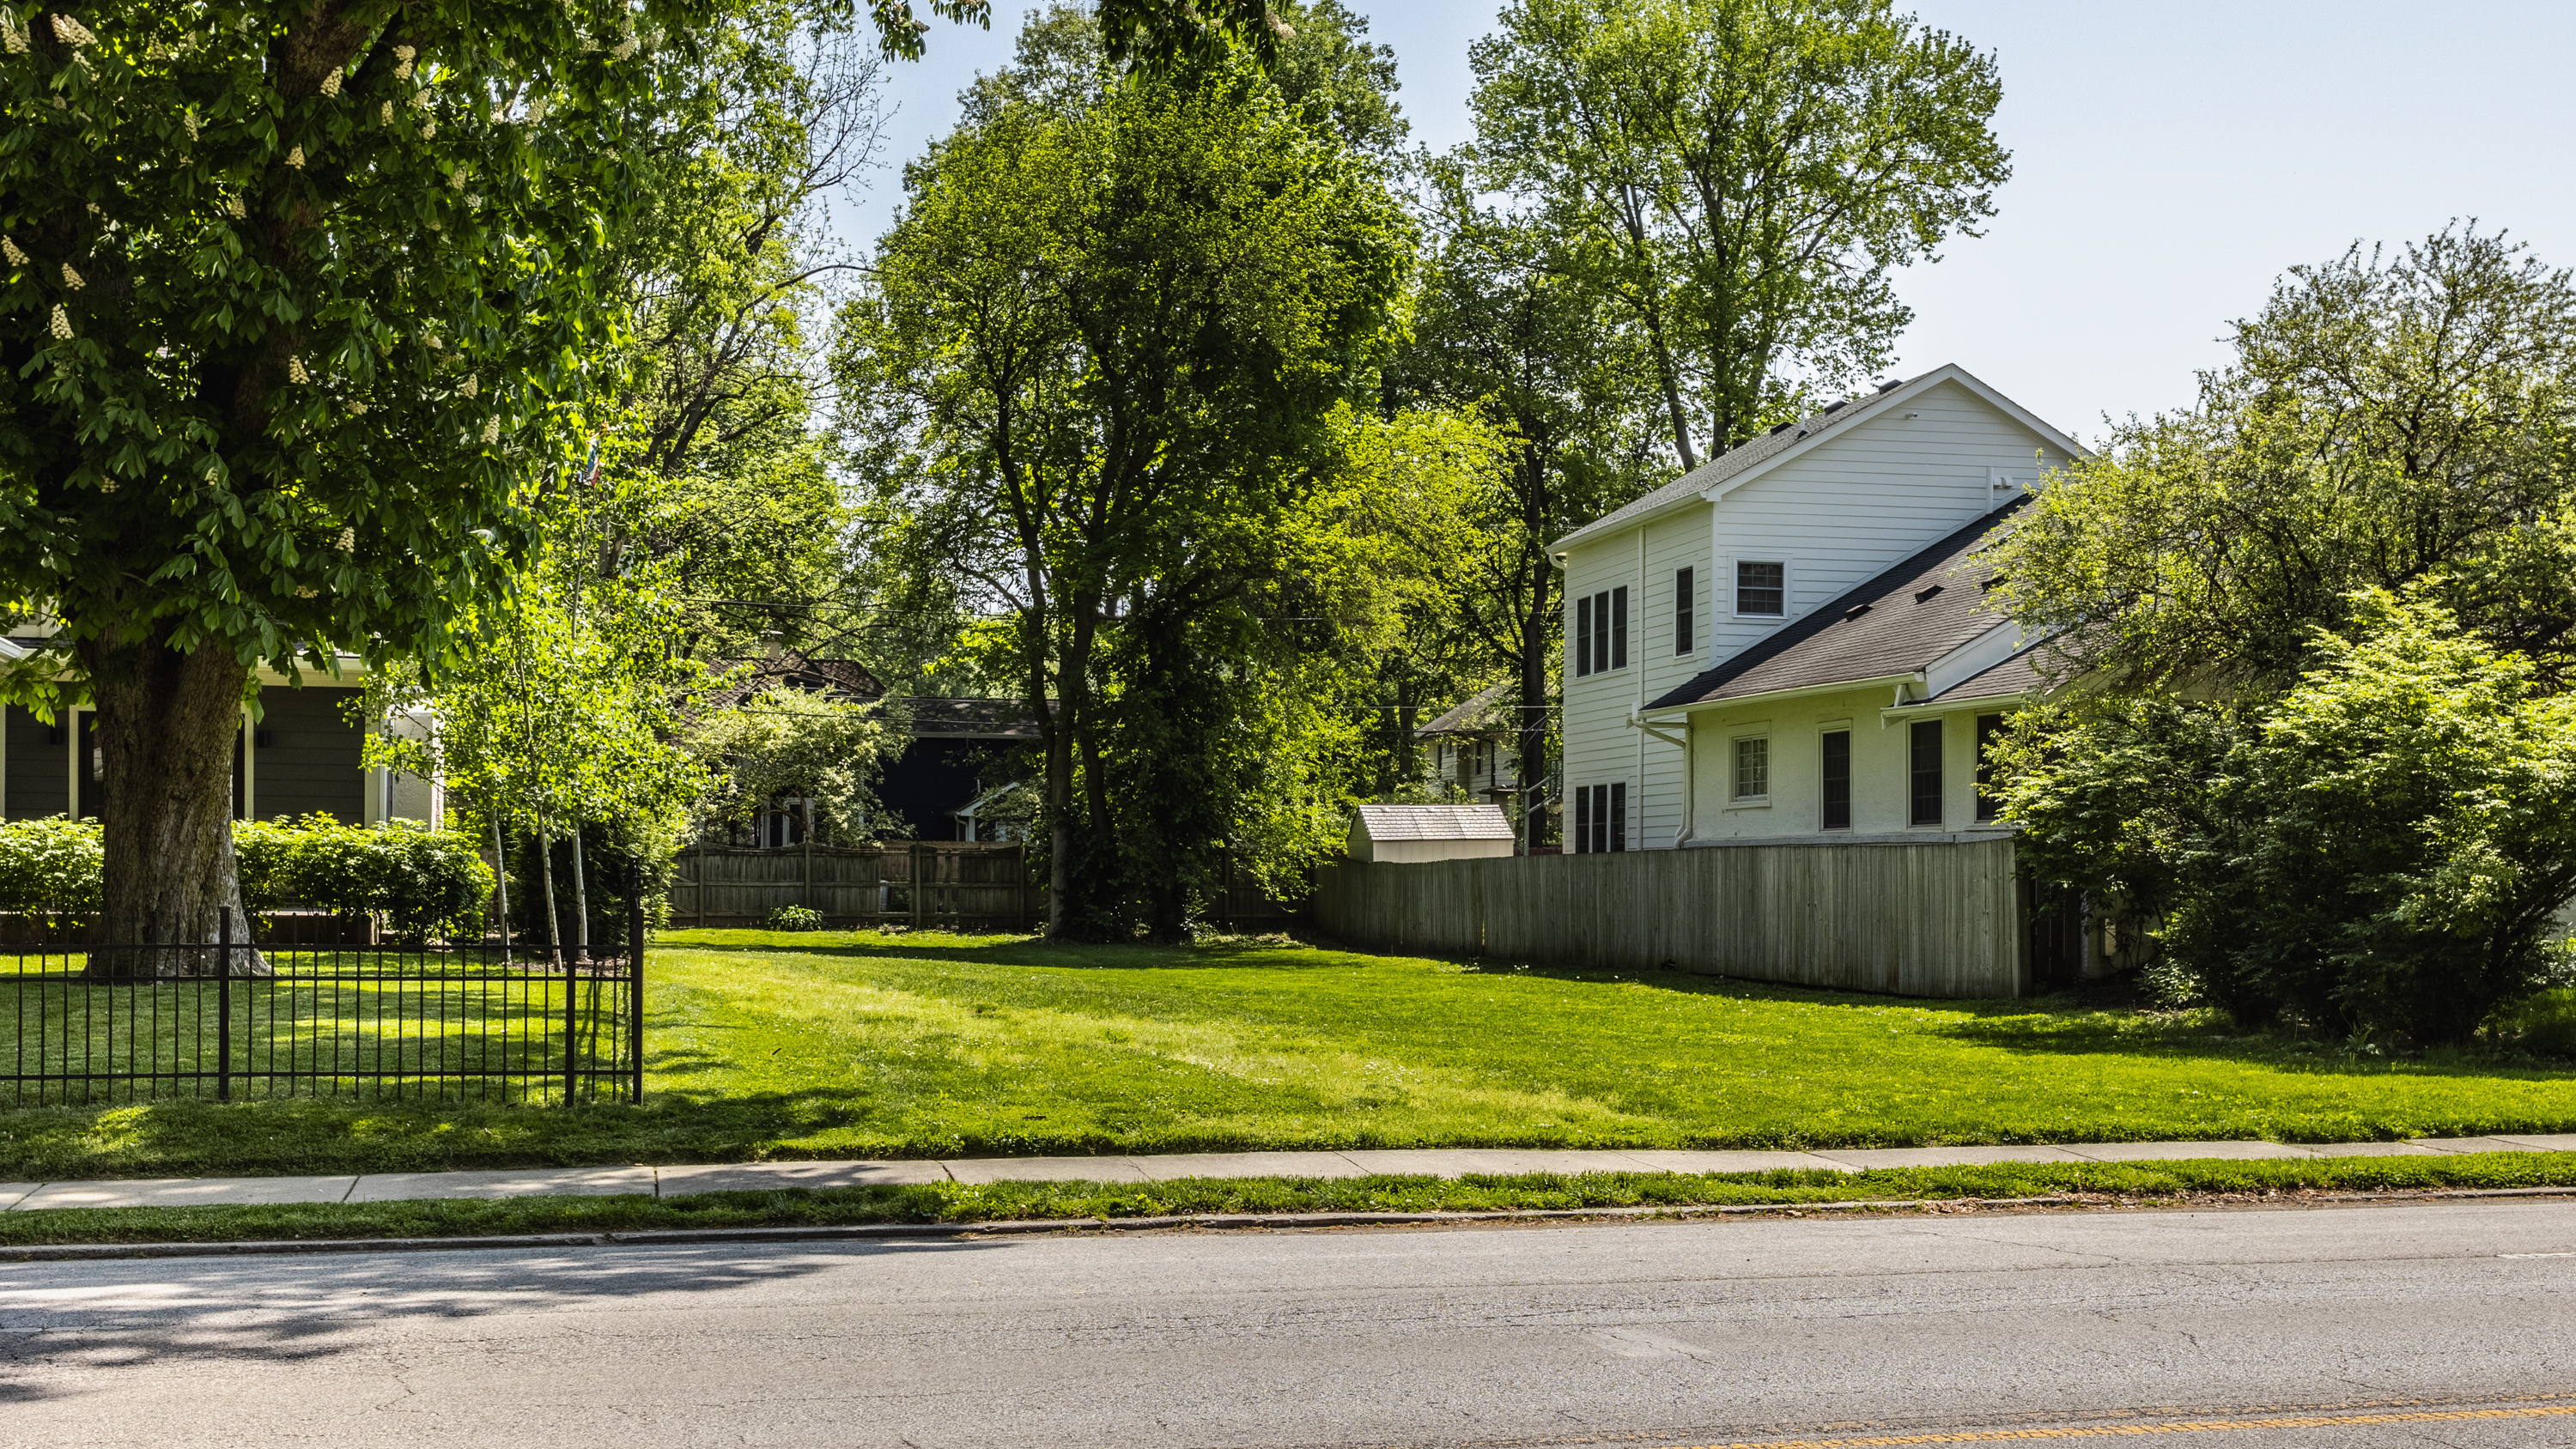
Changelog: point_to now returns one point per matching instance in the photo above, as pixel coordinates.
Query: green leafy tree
(1503, 329)
(561, 708)
(789, 741)
(1100, 349)
(1744, 176)
(2382, 850)
(2386, 420)
(293, 293)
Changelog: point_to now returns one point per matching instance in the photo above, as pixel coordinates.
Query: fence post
(223, 1006)
(572, 1029)
(635, 978)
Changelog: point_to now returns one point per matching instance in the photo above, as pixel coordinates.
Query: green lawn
(766, 1045)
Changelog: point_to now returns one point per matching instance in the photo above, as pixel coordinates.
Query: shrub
(795, 918)
(50, 866)
(2381, 851)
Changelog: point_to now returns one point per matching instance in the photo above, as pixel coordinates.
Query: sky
(2170, 160)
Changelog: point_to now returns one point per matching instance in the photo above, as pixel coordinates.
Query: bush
(415, 881)
(795, 918)
(50, 866)
(2380, 852)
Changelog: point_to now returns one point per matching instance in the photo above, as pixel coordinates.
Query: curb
(863, 1232)
(899, 1232)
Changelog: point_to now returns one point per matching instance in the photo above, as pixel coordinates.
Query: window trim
(1735, 589)
(1736, 740)
(1988, 807)
(1825, 780)
(1939, 726)
(1685, 610)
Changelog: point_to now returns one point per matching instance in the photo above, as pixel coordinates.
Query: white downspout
(1644, 791)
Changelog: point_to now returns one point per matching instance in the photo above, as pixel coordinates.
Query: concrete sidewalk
(1432, 1162)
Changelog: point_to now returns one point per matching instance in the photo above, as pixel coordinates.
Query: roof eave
(1845, 686)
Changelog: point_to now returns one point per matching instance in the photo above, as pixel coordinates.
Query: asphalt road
(2378, 1325)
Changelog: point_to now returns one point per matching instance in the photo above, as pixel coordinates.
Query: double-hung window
(1752, 769)
(1685, 597)
(1601, 632)
(1600, 818)
(1924, 749)
(1990, 728)
(1761, 588)
(1838, 780)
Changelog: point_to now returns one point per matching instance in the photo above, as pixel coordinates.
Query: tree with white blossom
(300, 299)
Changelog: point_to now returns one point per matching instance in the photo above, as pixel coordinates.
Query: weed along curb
(1030, 1227)
(864, 1232)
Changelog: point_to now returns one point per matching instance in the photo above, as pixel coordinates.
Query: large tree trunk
(166, 725)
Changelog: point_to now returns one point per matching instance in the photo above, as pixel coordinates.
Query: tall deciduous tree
(1744, 175)
(2387, 419)
(292, 292)
(1501, 328)
(1101, 346)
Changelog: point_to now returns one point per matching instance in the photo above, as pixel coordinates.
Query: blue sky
(2170, 159)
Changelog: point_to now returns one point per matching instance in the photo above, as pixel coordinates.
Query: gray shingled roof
(2018, 675)
(1435, 822)
(1471, 715)
(1879, 629)
(1740, 458)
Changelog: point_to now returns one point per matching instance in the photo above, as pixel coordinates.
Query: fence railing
(223, 1020)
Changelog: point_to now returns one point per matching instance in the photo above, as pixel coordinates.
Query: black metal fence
(224, 1020)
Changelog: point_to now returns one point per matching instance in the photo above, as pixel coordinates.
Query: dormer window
(1761, 588)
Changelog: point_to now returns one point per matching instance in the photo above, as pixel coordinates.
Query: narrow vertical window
(1838, 780)
(1989, 804)
(1600, 632)
(1685, 595)
(1618, 628)
(1583, 820)
(1583, 636)
(1761, 588)
(1752, 769)
(1925, 752)
(1618, 813)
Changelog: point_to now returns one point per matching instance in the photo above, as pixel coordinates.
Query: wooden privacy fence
(982, 886)
(923, 883)
(1931, 919)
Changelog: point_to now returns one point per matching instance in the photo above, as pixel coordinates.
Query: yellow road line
(2171, 1426)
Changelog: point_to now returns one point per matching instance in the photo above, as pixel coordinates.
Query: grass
(837, 1045)
(958, 1203)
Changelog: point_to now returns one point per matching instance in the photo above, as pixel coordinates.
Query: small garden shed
(1403, 834)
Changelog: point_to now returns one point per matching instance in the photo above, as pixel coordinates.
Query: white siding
(1866, 500)
(1600, 747)
(1881, 768)
(1856, 505)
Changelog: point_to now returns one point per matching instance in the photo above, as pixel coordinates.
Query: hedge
(417, 882)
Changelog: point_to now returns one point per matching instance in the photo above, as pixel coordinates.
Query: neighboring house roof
(842, 677)
(1435, 822)
(1736, 464)
(1470, 716)
(934, 717)
(1897, 623)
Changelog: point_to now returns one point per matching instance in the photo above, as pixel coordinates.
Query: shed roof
(1896, 623)
(1435, 822)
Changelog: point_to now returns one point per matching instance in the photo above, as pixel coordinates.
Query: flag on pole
(590, 466)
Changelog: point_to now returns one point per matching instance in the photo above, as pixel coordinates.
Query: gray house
(302, 756)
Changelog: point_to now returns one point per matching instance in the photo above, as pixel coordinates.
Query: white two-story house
(1794, 641)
